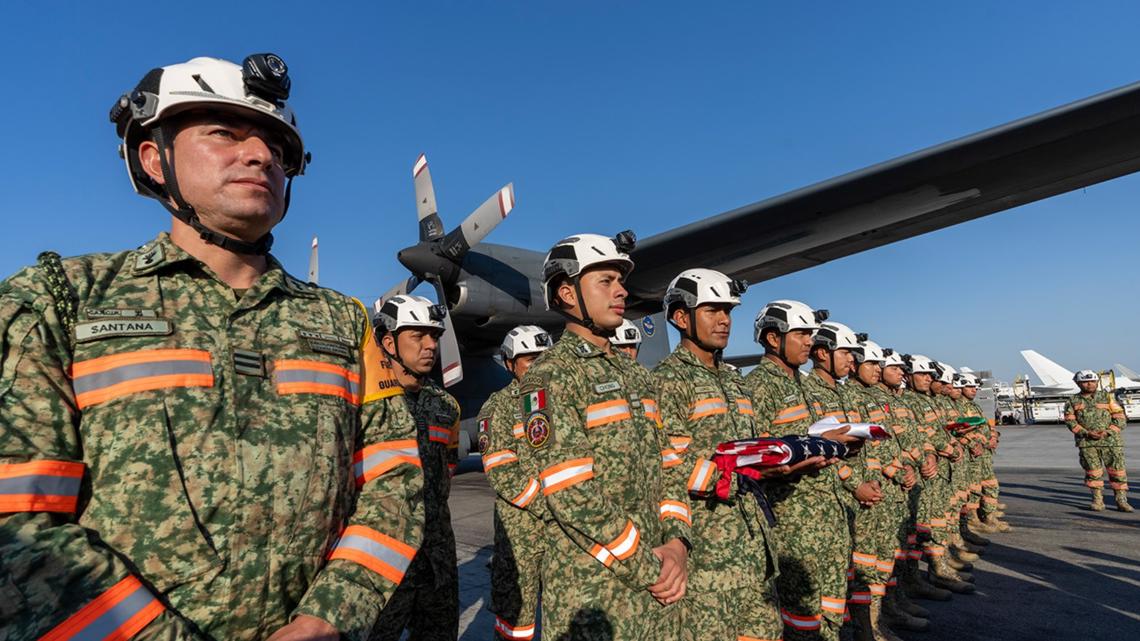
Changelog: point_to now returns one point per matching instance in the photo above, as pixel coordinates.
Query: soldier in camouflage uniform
(964, 546)
(813, 537)
(732, 568)
(934, 499)
(427, 602)
(1097, 422)
(988, 510)
(976, 443)
(901, 612)
(616, 536)
(194, 444)
(515, 577)
(880, 529)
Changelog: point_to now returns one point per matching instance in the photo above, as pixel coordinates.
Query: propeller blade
(450, 364)
(403, 287)
(431, 227)
(314, 272)
(479, 223)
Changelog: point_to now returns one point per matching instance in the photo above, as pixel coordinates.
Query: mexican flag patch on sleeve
(534, 402)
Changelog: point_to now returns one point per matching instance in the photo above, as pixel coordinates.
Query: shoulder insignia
(149, 256)
(484, 435)
(538, 430)
(93, 312)
(332, 344)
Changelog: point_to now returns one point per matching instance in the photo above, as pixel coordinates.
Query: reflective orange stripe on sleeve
(707, 407)
(605, 413)
(316, 377)
(701, 476)
(375, 460)
(98, 380)
(40, 486)
(517, 430)
(651, 409)
(675, 510)
(744, 406)
(495, 459)
(791, 414)
(625, 544)
(378, 552)
(117, 614)
(670, 457)
(437, 434)
(561, 476)
(525, 497)
(680, 443)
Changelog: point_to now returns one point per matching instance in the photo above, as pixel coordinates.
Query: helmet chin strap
(182, 210)
(585, 321)
(691, 334)
(396, 358)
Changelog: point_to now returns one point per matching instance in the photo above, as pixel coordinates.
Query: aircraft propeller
(437, 257)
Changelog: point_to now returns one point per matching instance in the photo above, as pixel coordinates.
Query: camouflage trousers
(933, 510)
(813, 545)
(426, 602)
(990, 488)
(880, 535)
(516, 571)
(750, 612)
(585, 601)
(1095, 460)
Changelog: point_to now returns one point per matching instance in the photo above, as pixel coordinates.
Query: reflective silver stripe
(112, 619)
(42, 484)
(607, 412)
(123, 373)
(372, 460)
(314, 376)
(375, 550)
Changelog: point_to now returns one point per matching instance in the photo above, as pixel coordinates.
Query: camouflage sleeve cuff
(675, 529)
(349, 606)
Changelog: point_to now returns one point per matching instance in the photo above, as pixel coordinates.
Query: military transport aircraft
(491, 288)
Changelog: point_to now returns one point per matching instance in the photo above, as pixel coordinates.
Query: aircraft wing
(1067, 148)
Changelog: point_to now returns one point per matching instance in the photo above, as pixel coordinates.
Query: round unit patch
(538, 430)
(648, 325)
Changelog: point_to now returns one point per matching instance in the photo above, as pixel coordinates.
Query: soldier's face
(1088, 387)
(714, 323)
(893, 375)
(418, 349)
(844, 362)
(955, 392)
(228, 169)
(797, 345)
(921, 381)
(520, 365)
(603, 296)
(969, 392)
(629, 350)
(869, 372)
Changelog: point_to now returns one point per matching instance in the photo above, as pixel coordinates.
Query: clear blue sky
(610, 115)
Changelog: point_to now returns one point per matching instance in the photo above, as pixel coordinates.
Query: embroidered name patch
(96, 330)
(611, 386)
(332, 344)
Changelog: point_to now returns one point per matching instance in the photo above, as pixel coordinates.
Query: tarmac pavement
(1064, 572)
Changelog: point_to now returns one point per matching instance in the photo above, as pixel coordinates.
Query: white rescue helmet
(919, 364)
(969, 380)
(833, 336)
(868, 351)
(1085, 376)
(785, 316)
(571, 256)
(945, 373)
(891, 357)
(259, 89)
(406, 311)
(959, 381)
(628, 335)
(523, 340)
(695, 287)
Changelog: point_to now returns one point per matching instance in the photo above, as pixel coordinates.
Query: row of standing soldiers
(602, 468)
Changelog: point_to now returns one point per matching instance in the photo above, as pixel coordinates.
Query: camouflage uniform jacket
(928, 417)
(975, 438)
(183, 461)
(437, 428)
(827, 400)
(882, 460)
(782, 409)
(610, 478)
(1096, 411)
(500, 436)
(902, 422)
(702, 408)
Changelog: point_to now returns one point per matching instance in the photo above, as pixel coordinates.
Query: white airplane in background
(1056, 380)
